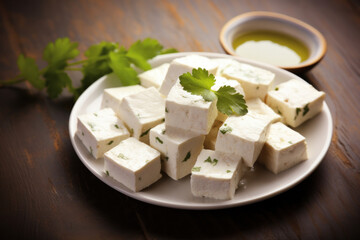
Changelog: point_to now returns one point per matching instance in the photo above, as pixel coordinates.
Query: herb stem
(17, 79)
(86, 60)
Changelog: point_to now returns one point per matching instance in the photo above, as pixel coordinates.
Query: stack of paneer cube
(158, 126)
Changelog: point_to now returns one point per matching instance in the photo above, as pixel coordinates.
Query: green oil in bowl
(271, 47)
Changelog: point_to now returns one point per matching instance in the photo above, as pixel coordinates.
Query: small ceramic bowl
(269, 21)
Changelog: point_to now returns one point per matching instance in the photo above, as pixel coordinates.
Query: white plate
(259, 184)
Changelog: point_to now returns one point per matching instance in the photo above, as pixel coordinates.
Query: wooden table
(47, 193)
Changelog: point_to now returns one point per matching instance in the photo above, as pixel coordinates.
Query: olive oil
(271, 47)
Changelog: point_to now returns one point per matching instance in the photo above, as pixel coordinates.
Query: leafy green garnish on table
(200, 82)
(101, 59)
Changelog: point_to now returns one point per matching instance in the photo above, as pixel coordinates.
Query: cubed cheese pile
(143, 130)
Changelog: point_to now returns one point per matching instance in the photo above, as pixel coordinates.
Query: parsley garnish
(228, 171)
(200, 83)
(276, 89)
(188, 155)
(107, 173)
(101, 59)
(109, 143)
(196, 169)
(159, 140)
(144, 133)
(117, 126)
(213, 162)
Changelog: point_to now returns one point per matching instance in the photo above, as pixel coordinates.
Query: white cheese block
(256, 82)
(210, 139)
(296, 100)
(283, 149)
(112, 97)
(258, 106)
(179, 149)
(142, 111)
(183, 65)
(133, 163)
(189, 112)
(215, 175)
(100, 131)
(154, 77)
(220, 82)
(243, 136)
(221, 63)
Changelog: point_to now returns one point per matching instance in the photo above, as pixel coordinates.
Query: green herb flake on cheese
(122, 156)
(306, 109)
(212, 162)
(188, 155)
(196, 169)
(145, 133)
(225, 129)
(159, 140)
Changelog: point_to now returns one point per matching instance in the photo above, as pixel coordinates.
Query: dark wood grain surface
(47, 193)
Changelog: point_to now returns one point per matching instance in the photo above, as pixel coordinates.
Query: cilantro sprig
(101, 59)
(229, 101)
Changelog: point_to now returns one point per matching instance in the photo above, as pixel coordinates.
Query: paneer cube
(210, 139)
(189, 112)
(221, 63)
(154, 77)
(215, 175)
(133, 163)
(143, 111)
(243, 136)
(220, 82)
(183, 65)
(283, 149)
(112, 97)
(296, 100)
(258, 106)
(101, 131)
(179, 149)
(255, 81)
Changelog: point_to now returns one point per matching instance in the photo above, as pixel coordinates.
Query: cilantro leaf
(230, 102)
(141, 51)
(97, 64)
(55, 82)
(58, 53)
(30, 71)
(168, 50)
(102, 59)
(199, 83)
(120, 64)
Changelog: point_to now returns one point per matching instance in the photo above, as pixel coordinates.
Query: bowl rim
(311, 61)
